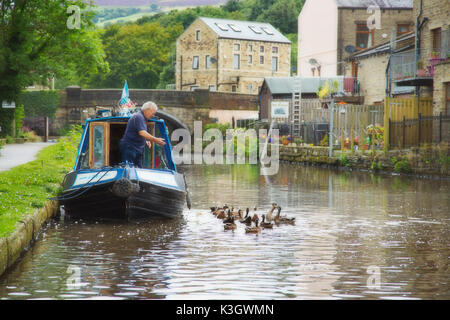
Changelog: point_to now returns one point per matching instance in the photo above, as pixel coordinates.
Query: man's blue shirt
(131, 137)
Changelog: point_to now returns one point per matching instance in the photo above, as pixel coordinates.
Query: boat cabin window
(103, 148)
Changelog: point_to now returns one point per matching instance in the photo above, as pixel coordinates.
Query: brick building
(329, 30)
(230, 56)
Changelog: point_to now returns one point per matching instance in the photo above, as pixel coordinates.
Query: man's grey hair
(149, 105)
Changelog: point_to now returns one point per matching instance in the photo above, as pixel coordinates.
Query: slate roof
(283, 85)
(245, 30)
(384, 4)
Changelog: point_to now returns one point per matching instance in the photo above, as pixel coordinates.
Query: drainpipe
(419, 26)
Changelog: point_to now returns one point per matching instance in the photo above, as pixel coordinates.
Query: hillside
(162, 3)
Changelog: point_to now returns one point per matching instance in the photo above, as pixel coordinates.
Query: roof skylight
(255, 30)
(267, 30)
(235, 27)
(221, 26)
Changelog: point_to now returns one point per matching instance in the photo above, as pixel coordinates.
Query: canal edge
(27, 229)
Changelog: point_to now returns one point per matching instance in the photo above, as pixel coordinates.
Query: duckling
(266, 225)
(270, 216)
(283, 219)
(247, 219)
(231, 225)
(254, 229)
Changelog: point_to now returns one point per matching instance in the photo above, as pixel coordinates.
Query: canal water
(357, 236)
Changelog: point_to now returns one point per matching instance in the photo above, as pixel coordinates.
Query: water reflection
(346, 224)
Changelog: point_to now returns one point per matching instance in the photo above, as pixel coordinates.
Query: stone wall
(79, 104)
(427, 161)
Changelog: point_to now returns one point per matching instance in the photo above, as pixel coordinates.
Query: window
(195, 62)
(403, 28)
(212, 87)
(237, 47)
(250, 59)
(235, 27)
(250, 88)
(197, 35)
(250, 48)
(274, 49)
(261, 49)
(261, 59)
(267, 30)
(436, 40)
(255, 30)
(236, 61)
(221, 26)
(233, 88)
(364, 36)
(274, 63)
(193, 88)
(207, 62)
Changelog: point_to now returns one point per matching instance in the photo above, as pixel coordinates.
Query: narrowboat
(100, 186)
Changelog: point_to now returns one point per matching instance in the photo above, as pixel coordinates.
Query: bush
(401, 165)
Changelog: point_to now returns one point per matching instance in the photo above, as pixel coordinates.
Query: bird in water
(229, 217)
(223, 214)
(283, 219)
(231, 225)
(270, 216)
(247, 219)
(255, 229)
(266, 225)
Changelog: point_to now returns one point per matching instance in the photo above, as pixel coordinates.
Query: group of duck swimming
(230, 216)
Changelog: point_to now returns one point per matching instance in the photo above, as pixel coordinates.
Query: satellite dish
(313, 62)
(350, 49)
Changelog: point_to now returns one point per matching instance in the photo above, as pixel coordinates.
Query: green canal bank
(431, 161)
(24, 194)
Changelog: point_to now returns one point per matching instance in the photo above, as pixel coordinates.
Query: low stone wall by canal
(26, 231)
(427, 161)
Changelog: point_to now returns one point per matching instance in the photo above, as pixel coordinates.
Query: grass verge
(27, 187)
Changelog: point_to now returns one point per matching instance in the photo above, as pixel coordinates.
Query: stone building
(329, 31)
(230, 56)
(372, 70)
(427, 65)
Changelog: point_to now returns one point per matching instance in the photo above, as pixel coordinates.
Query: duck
(254, 229)
(222, 214)
(229, 217)
(237, 214)
(231, 225)
(269, 216)
(247, 219)
(216, 210)
(283, 219)
(266, 225)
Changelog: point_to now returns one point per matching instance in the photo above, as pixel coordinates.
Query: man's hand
(160, 141)
(149, 144)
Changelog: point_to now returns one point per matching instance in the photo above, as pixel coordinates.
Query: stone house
(370, 67)
(230, 55)
(427, 65)
(329, 31)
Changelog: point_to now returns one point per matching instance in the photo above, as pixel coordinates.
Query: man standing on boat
(136, 135)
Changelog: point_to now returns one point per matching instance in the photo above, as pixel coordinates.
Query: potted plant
(421, 71)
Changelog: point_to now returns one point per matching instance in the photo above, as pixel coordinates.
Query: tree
(283, 15)
(136, 53)
(40, 39)
(232, 5)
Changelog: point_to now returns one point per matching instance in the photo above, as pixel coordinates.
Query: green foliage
(19, 115)
(6, 122)
(344, 161)
(375, 165)
(136, 53)
(40, 103)
(222, 127)
(401, 165)
(27, 187)
(36, 44)
(324, 142)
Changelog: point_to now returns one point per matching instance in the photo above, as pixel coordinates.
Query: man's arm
(148, 136)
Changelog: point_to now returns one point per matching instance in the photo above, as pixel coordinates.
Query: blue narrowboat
(100, 186)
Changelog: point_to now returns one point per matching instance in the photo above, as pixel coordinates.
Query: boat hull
(99, 201)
